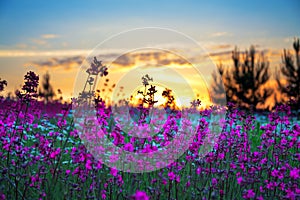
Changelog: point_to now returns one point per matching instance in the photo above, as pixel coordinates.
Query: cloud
(22, 45)
(219, 34)
(221, 53)
(149, 58)
(49, 36)
(66, 63)
(272, 56)
(44, 39)
(220, 46)
(124, 60)
(53, 53)
(39, 41)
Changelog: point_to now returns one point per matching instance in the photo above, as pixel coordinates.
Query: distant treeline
(245, 83)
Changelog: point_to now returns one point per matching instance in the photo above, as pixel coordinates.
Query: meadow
(43, 155)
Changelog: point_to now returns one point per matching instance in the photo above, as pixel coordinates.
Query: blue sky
(38, 26)
(81, 24)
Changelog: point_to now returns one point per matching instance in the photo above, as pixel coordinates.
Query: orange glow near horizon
(64, 70)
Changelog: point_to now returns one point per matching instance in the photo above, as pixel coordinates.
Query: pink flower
(294, 173)
(221, 156)
(198, 171)
(221, 192)
(103, 194)
(263, 161)
(290, 194)
(249, 194)
(2, 196)
(129, 147)
(283, 141)
(164, 181)
(140, 195)
(113, 171)
(274, 173)
(261, 189)
(178, 179)
(99, 165)
(188, 184)
(55, 153)
(88, 165)
(239, 180)
(242, 166)
(214, 181)
(113, 158)
(171, 175)
(232, 165)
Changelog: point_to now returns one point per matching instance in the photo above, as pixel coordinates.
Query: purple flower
(239, 180)
(113, 171)
(249, 194)
(129, 147)
(89, 165)
(294, 173)
(171, 175)
(214, 181)
(140, 195)
(290, 194)
(2, 196)
(55, 153)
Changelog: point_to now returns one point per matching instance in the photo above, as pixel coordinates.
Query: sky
(56, 36)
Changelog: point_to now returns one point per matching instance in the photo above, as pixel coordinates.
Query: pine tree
(46, 92)
(291, 74)
(219, 93)
(244, 82)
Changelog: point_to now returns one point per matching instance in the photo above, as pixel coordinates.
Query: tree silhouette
(291, 74)
(244, 82)
(218, 86)
(3, 83)
(170, 99)
(46, 92)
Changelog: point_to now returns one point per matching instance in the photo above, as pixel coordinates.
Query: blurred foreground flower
(140, 195)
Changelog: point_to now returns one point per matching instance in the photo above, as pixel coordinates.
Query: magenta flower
(221, 156)
(2, 196)
(249, 194)
(274, 173)
(55, 153)
(188, 184)
(129, 147)
(198, 171)
(164, 181)
(290, 194)
(140, 195)
(214, 181)
(103, 194)
(113, 171)
(171, 175)
(178, 179)
(88, 165)
(294, 173)
(239, 180)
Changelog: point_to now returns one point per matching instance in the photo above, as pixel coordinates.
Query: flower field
(42, 156)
